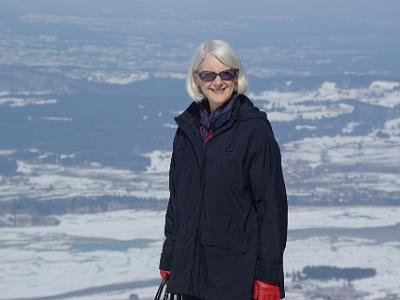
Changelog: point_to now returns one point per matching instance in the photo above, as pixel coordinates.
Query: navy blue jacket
(226, 220)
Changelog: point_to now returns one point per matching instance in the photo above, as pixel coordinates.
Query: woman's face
(217, 91)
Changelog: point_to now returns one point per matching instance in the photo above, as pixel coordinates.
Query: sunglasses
(209, 76)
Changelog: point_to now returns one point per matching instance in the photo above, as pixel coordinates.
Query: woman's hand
(266, 291)
(164, 273)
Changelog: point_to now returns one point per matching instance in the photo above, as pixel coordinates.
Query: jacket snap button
(229, 150)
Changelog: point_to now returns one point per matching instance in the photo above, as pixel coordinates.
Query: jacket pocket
(237, 243)
(223, 256)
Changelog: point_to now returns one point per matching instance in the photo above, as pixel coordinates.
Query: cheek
(231, 85)
(205, 87)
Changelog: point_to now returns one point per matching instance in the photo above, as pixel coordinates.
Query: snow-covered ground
(311, 104)
(120, 250)
(43, 181)
(84, 251)
(344, 165)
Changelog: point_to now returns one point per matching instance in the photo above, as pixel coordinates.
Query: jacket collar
(189, 119)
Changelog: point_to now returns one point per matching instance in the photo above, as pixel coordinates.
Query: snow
(59, 119)
(117, 77)
(382, 86)
(65, 156)
(392, 127)
(350, 253)
(159, 161)
(122, 77)
(18, 102)
(345, 150)
(27, 93)
(373, 160)
(7, 152)
(309, 127)
(348, 217)
(170, 125)
(94, 250)
(42, 181)
(45, 256)
(350, 127)
(311, 104)
(181, 76)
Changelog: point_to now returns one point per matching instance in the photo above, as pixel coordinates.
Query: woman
(226, 220)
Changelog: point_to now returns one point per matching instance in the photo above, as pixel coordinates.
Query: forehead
(211, 63)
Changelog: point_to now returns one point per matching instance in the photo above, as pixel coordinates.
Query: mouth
(218, 91)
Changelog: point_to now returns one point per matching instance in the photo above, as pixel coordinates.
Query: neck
(214, 107)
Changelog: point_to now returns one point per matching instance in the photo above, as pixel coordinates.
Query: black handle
(167, 296)
(161, 288)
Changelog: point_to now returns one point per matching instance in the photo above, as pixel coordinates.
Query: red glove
(266, 291)
(164, 273)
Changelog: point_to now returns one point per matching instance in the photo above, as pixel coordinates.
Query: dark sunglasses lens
(228, 75)
(207, 76)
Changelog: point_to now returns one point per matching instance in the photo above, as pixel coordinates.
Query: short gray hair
(223, 52)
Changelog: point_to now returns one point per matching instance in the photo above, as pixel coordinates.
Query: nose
(218, 81)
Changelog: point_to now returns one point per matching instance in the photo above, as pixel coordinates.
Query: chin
(220, 99)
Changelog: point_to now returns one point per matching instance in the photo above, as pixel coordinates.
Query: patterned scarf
(210, 122)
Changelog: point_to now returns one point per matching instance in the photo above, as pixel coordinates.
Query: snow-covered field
(43, 181)
(311, 104)
(345, 165)
(111, 255)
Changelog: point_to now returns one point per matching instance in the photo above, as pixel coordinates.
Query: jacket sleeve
(168, 246)
(270, 200)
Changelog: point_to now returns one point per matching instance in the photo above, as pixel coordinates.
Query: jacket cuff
(165, 261)
(268, 272)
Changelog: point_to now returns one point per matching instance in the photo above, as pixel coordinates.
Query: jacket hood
(248, 110)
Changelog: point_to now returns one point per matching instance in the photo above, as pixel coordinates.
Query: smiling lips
(218, 91)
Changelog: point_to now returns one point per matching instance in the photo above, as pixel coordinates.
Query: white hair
(224, 53)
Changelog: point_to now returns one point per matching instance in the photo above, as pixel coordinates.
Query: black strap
(167, 296)
(161, 288)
